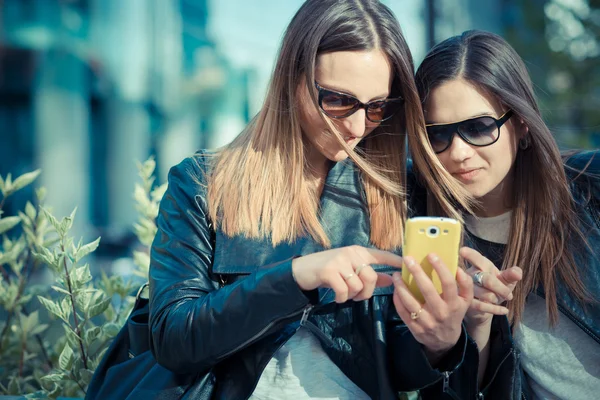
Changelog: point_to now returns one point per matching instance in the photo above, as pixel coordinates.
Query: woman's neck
(317, 164)
(317, 168)
(496, 202)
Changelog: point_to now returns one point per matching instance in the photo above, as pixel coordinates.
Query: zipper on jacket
(305, 314)
(446, 383)
(445, 376)
(446, 386)
(302, 311)
(314, 329)
(496, 372)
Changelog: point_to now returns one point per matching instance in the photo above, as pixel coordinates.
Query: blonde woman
(273, 255)
(534, 208)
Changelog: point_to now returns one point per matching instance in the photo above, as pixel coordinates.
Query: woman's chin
(339, 156)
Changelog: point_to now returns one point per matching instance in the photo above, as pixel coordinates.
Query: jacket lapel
(343, 216)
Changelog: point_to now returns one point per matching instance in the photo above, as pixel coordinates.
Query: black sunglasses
(480, 131)
(341, 105)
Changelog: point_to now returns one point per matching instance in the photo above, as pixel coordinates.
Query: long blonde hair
(544, 226)
(258, 184)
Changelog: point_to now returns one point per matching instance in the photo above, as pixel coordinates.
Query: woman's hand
(437, 324)
(496, 288)
(347, 271)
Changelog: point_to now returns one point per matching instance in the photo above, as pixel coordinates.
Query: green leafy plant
(53, 350)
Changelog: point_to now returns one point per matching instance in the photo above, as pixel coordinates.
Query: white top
(492, 229)
(301, 370)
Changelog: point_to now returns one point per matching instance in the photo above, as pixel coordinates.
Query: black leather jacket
(196, 325)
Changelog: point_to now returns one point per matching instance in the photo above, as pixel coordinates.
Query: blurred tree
(564, 62)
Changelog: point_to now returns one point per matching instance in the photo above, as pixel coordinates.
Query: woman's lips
(467, 174)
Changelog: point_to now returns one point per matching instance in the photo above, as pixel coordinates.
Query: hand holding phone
(425, 235)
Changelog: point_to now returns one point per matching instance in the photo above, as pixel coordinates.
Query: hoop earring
(524, 143)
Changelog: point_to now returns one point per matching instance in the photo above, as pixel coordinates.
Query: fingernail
(505, 311)
(409, 261)
(396, 277)
(510, 296)
(433, 258)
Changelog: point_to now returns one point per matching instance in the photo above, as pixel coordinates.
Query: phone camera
(433, 231)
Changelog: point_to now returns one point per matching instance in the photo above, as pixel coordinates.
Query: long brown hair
(544, 225)
(258, 185)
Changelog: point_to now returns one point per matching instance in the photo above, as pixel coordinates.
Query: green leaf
(14, 388)
(30, 211)
(110, 313)
(141, 197)
(72, 338)
(146, 170)
(41, 194)
(32, 320)
(25, 220)
(54, 378)
(91, 334)
(57, 391)
(25, 298)
(39, 329)
(60, 290)
(51, 242)
(53, 221)
(65, 361)
(72, 216)
(6, 186)
(98, 307)
(82, 275)
(87, 249)
(159, 192)
(66, 308)
(46, 257)
(86, 375)
(60, 262)
(25, 180)
(8, 257)
(67, 223)
(111, 330)
(83, 300)
(142, 260)
(51, 306)
(8, 223)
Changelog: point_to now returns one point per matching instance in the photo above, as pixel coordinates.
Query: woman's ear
(523, 129)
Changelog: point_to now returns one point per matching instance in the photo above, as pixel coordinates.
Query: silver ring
(478, 278)
(360, 268)
(347, 277)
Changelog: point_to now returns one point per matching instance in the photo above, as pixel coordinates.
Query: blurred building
(89, 87)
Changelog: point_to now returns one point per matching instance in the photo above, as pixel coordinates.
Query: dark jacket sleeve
(455, 375)
(195, 324)
(410, 368)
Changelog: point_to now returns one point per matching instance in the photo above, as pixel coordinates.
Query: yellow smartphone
(424, 235)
